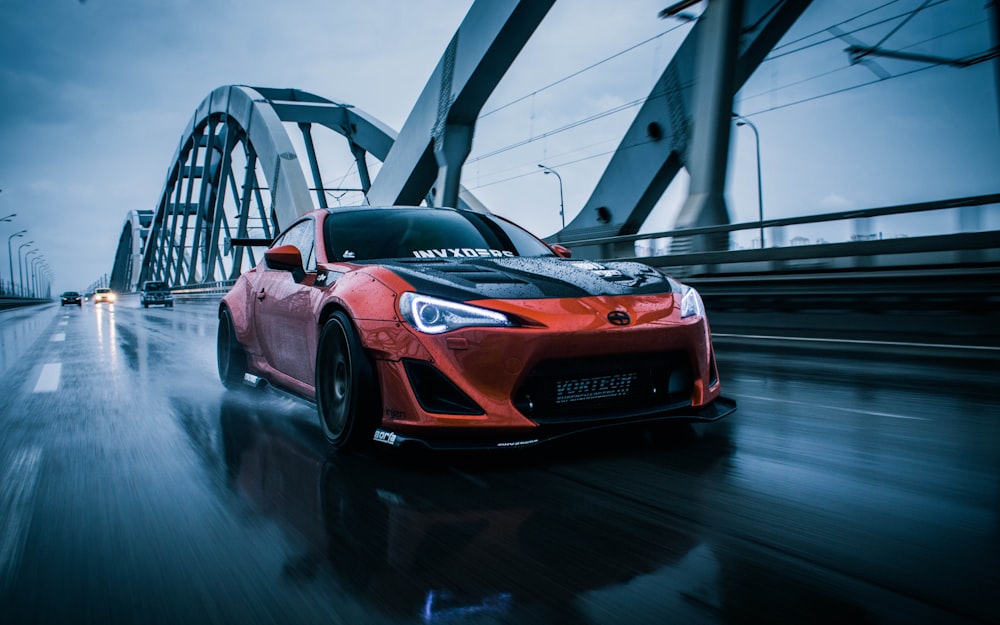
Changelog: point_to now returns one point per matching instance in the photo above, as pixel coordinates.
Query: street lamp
(26, 269)
(743, 121)
(20, 272)
(10, 256)
(44, 278)
(33, 271)
(562, 207)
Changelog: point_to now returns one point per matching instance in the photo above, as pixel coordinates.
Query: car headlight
(431, 315)
(691, 304)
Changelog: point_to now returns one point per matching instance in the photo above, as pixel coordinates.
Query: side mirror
(285, 258)
(562, 251)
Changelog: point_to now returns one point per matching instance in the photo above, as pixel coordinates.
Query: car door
(284, 308)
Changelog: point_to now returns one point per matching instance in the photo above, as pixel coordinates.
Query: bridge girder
(128, 257)
(436, 138)
(244, 127)
(236, 173)
(659, 142)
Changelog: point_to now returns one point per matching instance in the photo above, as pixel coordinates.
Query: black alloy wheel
(231, 356)
(346, 393)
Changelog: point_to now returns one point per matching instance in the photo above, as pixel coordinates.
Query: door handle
(261, 294)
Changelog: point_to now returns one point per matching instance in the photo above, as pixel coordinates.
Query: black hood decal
(461, 279)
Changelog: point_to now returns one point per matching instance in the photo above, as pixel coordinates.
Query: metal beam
(657, 143)
(487, 42)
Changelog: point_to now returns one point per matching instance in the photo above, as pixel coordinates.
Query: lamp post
(45, 278)
(20, 272)
(33, 282)
(743, 121)
(26, 270)
(10, 256)
(562, 206)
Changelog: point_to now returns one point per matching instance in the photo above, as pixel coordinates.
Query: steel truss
(237, 174)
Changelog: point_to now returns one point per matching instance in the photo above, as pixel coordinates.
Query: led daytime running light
(431, 315)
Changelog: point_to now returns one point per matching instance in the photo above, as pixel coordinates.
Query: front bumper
(473, 440)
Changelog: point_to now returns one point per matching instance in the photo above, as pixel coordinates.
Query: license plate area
(605, 387)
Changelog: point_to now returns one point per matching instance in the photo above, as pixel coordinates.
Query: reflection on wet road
(134, 489)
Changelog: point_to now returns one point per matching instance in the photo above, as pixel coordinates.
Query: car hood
(527, 278)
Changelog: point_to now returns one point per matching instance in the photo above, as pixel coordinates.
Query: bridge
(248, 163)
(857, 482)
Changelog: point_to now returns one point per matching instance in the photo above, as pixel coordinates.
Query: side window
(303, 236)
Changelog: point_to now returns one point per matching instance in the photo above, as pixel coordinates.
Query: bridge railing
(206, 291)
(970, 242)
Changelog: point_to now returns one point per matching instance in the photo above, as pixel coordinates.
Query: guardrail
(956, 248)
(18, 302)
(207, 291)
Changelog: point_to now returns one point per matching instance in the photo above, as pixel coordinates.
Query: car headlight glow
(691, 304)
(431, 315)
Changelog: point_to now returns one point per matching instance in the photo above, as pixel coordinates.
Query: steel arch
(241, 130)
(128, 258)
(236, 173)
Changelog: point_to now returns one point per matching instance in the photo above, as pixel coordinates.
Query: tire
(232, 358)
(347, 397)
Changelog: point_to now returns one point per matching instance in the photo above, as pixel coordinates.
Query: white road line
(17, 487)
(48, 379)
(64, 323)
(58, 337)
(982, 348)
(811, 405)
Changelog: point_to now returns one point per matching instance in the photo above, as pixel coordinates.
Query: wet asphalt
(853, 485)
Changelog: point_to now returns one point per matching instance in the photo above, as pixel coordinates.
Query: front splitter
(480, 441)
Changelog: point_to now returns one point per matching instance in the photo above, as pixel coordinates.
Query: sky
(94, 97)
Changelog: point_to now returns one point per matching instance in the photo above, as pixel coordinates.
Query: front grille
(605, 388)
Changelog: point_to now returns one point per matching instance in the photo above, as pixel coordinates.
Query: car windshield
(103, 291)
(70, 294)
(156, 286)
(360, 235)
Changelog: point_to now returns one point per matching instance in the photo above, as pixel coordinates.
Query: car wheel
(230, 354)
(346, 393)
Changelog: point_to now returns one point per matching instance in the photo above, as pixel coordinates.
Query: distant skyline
(94, 97)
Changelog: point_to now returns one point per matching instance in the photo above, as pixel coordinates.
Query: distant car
(458, 329)
(71, 297)
(104, 295)
(155, 293)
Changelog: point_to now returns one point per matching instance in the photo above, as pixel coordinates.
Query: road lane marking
(58, 337)
(17, 487)
(983, 348)
(64, 323)
(811, 405)
(48, 379)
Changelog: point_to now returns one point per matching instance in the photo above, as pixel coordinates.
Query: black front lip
(477, 441)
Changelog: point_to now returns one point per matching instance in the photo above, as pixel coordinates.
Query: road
(852, 486)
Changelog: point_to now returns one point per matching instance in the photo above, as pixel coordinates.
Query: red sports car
(459, 329)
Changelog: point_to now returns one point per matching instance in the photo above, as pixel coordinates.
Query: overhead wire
(772, 56)
(847, 67)
(638, 102)
(581, 71)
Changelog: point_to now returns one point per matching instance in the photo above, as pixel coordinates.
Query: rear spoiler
(230, 243)
(250, 242)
